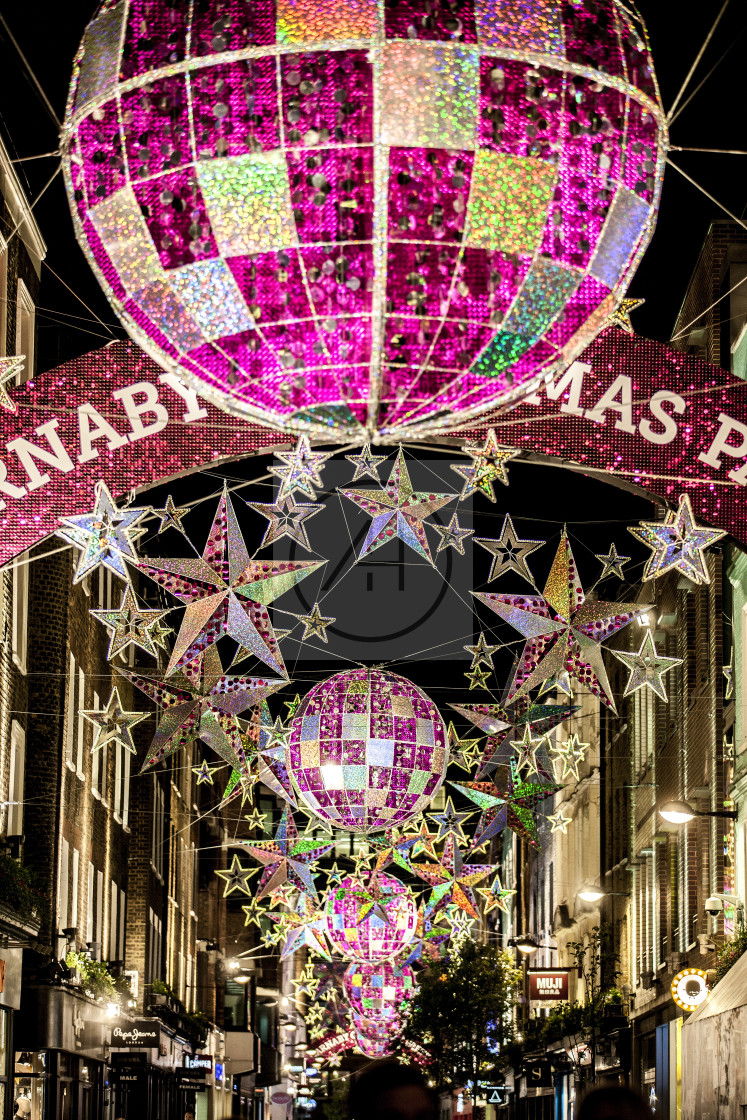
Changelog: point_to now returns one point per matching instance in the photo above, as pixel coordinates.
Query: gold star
(113, 724)
(314, 624)
(253, 913)
(496, 898)
(205, 773)
(559, 821)
(482, 653)
(478, 678)
(129, 625)
(236, 877)
(171, 517)
(620, 317)
(488, 466)
(464, 752)
(292, 706)
(256, 819)
(9, 370)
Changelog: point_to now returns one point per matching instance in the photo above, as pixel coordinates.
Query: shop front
(10, 1000)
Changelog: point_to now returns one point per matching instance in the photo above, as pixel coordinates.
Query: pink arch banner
(645, 414)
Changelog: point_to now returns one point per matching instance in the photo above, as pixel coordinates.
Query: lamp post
(681, 812)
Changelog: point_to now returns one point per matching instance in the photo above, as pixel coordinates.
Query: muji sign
(546, 983)
(633, 409)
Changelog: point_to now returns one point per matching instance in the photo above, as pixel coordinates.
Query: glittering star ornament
(205, 773)
(424, 842)
(287, 859)
(431, 935)
(620, 317)
(315, 624)
(647, 667)
(482, 653)
(105, 536)
(301, 471)
(366, 464)
(450, 822)
(226, 593)
(570, 754)
(612, 563)
(9, 369)
(559, 821)
(397, 511)
(307, 984)
(201, 703)
(463, 752)
(452, 535)
(286, 519)
(478, 677)
(560, 682)
(505, 725)
(509, 552)
(452, 880)
(564, 629)
(677, 543)
(236, 877)
(488, 466)
(129, 625)
(496, 898)
(390, 848)
(526, 749)
(113, 724)
(171, 516)
(304, 928)
(255, 820)
(508, 809)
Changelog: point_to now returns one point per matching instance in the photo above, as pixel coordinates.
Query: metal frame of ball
(430, 430)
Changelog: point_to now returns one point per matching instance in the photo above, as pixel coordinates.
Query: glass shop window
(28, 1085)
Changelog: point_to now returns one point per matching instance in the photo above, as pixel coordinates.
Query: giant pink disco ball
(380, 991)
(326, 214)
(370, 938)
(367, 750)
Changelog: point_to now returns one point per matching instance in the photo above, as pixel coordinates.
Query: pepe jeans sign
(545, 983)
(137, 1034)
(631, 408)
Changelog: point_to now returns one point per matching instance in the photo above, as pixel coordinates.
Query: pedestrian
(613, 1102)
(389, 1091)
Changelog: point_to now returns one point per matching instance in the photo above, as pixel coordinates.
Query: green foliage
(95, 978)
(161, 988)
(20, 888)
(462, 1013)
(729, 954)
(335, 1106)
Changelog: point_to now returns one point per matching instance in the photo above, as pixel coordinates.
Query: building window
(72, 688)
(16, 778)
(63, 894)
(99, 927)
(121, 934)
(158, 832)
(113, 923)
(20, 611)
(96, 759)
(155, 929)
(81, 739)
(90, 903)
(25, 327)
(74, 889)
(122, 785)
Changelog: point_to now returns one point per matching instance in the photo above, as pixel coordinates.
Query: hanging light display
(338, 216)
(379, 991)
(370, 925)
(367, 750)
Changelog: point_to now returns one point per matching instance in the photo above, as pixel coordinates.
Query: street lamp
(526, 943)
(680, 812)
(592, 892)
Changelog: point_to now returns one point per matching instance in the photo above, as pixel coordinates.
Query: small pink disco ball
(367, 750)
(371, 939)
(379, 991)
(373, 1047)
(330, 215)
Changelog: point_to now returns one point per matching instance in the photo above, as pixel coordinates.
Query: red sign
(548, 983)
(645, 414)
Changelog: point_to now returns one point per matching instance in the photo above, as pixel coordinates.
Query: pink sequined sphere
(367, 750)
(329, 215)
(371, 938)
(379, 992)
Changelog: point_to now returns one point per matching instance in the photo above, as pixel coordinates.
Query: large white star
(647, 667)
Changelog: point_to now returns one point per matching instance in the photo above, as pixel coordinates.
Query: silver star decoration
(728, 671)
(302, 470)
(286, 518)
(452, 535)
(113, 724)
(526, 748)
(205, 773)
(131, 625)
(559, 682)
(482, 653)
(105, 536)
(613, 563)
(171, 517)
(488, 466)
(366, 464)
(314, 624)
(570, 754)
(558, 820)
(509, 552)
(647, 667)
(677, 544)
(450, 822)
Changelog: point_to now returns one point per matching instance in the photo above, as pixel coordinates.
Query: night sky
(49, 36)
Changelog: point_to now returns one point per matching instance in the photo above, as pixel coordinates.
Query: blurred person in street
(613, 1102)
(388, 1091)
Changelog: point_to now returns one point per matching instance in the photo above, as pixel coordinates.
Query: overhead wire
(693, 68)
(30, 71)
